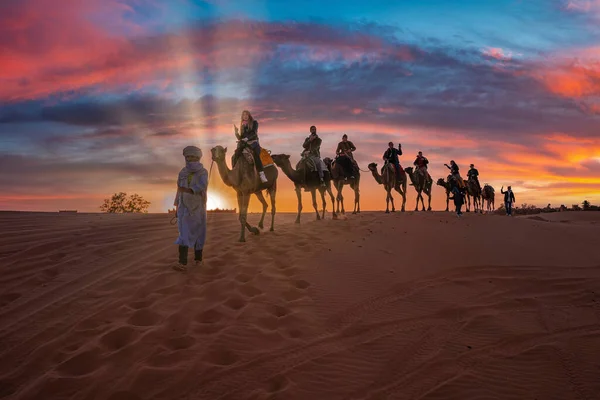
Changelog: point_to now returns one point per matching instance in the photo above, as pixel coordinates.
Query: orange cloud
(46, 49)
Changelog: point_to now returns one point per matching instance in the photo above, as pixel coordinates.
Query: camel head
(218, 153)
(372, 167)
(280, 159)
(328, 161)
(409, 170)
(441, 182)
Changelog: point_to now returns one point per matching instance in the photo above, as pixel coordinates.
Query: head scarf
(192, 151)
(193, 166)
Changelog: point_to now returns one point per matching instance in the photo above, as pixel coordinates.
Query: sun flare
(215, 201)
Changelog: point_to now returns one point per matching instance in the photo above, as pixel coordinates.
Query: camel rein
(174, 219)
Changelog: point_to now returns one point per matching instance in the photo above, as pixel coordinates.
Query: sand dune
(401, 306)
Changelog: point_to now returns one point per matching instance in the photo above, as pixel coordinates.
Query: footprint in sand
(244, 278)
(279, 311)
(289, 272)
(295, 333)
(221, 356)
(136, 305)
(81, 364)
(301, 284)
(90, 325)
(249, 291)
(293, 294)
(278, 383)
(236, 303)
(211, 316)
(180, 343)
(119, 337)
(270, 323)
(144, 317)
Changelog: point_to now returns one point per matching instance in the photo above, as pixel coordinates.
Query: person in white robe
(192, 184)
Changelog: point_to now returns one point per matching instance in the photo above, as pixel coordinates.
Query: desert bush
(121, 203)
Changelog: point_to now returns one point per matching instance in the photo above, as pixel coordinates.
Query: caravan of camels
(254, 171)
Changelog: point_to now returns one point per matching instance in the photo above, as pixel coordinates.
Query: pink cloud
(497, 53)
(584, 6)
(47, 49)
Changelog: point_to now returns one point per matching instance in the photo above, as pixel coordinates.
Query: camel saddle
(265, 156)
(310, 163)
(402, 171)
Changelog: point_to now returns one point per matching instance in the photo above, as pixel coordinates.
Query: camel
(389, 181)
(473, 192)
(309, 181)
(244, 179)
(488, 195)
(339, 180)
(448, 186)
(421, 185)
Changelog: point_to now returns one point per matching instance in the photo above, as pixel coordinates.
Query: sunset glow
(101, 96)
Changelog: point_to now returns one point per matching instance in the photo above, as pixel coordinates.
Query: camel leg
(243, 216)
(417, 204)
(402, 191)
(392, 201)
(468, 202)
(313, 194)
(322, 193)
(262, 200)
(387, 202)
(422, 202)
(299, 195)
(357, 200)
(340, 198)
(429, 201)
(447, 200)
(334, 214)
(337, 198)
(252, 229)
(273, 193)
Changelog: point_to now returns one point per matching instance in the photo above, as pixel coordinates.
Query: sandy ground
(400, 306)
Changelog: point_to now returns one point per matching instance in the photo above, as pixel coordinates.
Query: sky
(101, 96)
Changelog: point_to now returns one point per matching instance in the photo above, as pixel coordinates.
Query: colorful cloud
(102, 95)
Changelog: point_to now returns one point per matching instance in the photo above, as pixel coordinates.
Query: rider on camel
(453, 167)
(249, 137)
(345, 149)
(392, 155)
(312, 150)
(473, 174)
(421, 163)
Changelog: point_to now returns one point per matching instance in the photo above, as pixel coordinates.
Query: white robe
(191, 209)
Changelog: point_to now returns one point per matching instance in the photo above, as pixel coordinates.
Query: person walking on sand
(190, 203)
(509, 200)
(459, 199)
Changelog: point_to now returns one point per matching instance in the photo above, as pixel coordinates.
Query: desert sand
(376, 306)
